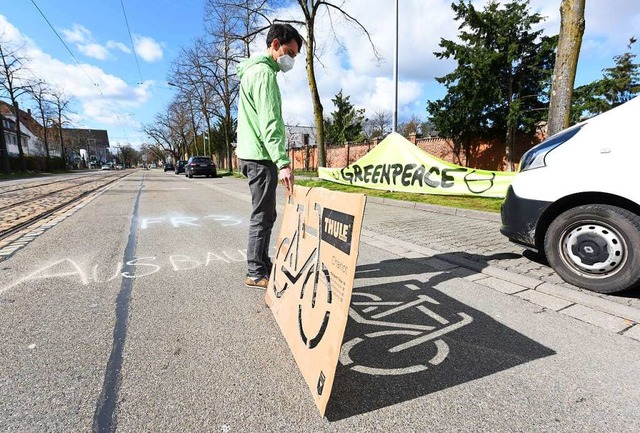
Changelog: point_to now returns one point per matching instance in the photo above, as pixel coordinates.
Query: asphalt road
(132, 309)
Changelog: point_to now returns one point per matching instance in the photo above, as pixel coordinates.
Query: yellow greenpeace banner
(398, 165)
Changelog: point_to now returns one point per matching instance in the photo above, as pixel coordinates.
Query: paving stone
(544, 300)
(440, 265)
(633, 332)
(395, 249)
(597, 318)
(593, 301)
(469, 242)
(437, 209)
(412, 255)
(489, 216)
(522, 280)
(501, 285)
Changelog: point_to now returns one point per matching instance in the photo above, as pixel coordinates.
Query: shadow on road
(407, 339)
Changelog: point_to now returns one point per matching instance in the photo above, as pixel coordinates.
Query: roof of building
(100, 136)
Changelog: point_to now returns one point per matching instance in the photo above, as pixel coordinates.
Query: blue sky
(96, 33)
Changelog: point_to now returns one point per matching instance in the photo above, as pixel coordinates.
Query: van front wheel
(596, 247)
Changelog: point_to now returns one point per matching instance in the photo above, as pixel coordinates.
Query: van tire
(612, 231)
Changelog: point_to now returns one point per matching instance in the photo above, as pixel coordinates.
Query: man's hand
(286, 177)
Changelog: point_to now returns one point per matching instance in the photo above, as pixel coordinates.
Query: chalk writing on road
(139, 267)
(188, 221)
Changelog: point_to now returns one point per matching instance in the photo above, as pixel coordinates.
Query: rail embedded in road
(24, 205)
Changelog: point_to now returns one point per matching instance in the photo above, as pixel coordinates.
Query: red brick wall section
(486, 155)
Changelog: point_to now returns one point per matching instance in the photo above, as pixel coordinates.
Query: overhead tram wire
(96, 85)
(133, 48)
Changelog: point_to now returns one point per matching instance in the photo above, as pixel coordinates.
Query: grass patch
(486, 204)
(305, 173)
(475, 203)
(227, 173)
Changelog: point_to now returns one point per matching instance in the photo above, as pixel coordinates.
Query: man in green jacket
(261, 142)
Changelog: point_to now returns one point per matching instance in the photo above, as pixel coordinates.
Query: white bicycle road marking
(422, 333)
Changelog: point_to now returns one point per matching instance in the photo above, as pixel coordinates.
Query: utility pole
(395, 75)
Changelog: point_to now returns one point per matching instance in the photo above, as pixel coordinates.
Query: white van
(577, 199)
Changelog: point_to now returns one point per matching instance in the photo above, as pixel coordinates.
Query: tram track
(44, 212)
(23, 186)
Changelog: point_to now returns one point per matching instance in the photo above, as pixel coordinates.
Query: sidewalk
(468, 243)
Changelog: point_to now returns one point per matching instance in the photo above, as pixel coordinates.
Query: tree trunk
(511, 127)
(23, 163)
(564, 72)
(4, 154)
(315, 96)
(46, 148)
(64, 159)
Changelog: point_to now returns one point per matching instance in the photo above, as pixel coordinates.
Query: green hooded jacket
(261, 133)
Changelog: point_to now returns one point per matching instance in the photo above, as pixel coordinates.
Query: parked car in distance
(200, 166)
(575, 200)
(106, 167)
(119, 167)
(168, 166)
(153, 165)
(180, 166)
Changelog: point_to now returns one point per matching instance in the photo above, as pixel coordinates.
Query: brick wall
(486, 155)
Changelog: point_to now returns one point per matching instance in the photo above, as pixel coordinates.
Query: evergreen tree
(346, 122)
(619, 84)
(501, 83)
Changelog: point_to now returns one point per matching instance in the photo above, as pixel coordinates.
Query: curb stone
(591, 309)
(476, 214)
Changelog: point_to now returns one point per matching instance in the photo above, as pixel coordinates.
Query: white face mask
(286, 63)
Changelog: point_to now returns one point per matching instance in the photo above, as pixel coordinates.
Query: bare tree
(12, 65)
(379, 124)
(564, 73)
(61, 104)
(310, 9)
(191, 73)
(173, 132)
(128, 155)
(5, 167)
(40, 93)
(250, 18)
(223, 22)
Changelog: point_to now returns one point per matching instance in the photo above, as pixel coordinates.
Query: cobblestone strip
(18, 208)
(588, 308)
(19, 240)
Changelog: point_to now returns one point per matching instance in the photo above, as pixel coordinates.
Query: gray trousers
(263, 181)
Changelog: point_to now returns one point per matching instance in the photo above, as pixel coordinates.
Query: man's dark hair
(284, 33)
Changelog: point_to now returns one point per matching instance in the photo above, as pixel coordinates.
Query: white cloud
(87, 44)
(147, 48)
(95, 51)
(99, 99)
(76, 34)
(118, 46)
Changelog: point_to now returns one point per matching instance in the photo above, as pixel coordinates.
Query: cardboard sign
(312, 278)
